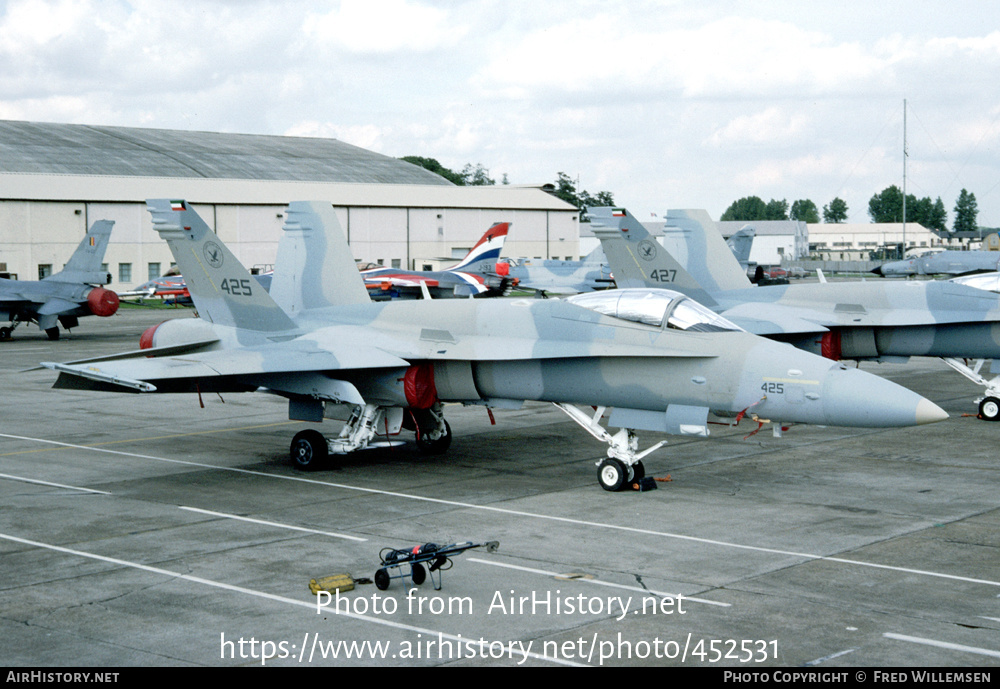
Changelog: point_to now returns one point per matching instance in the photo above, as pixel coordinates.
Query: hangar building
(56, 179)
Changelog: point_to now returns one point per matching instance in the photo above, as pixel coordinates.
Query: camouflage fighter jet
(875, 320)
(943, 263)
(660, 360)
(558, 277)
(64, 297)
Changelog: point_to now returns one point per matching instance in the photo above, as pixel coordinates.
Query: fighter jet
(473, 276)
(658, 359)
(64, 297)
(943, 263)
(875, 320)
(558, 277)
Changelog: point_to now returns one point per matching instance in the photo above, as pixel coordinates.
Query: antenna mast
(905, 156)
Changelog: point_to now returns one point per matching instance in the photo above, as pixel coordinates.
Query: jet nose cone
(855, 398)
(928, 412)
(878, 271)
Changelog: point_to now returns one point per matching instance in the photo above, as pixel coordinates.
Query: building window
(153, 271)
(124, 272)
(397, 262)
(44, 270)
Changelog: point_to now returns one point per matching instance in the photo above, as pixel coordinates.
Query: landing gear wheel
(989, 409)
(53, 332)
(418, 573)
(612, 474)
(309, 450)
(381, 580)
(5, 333)
(436, 446)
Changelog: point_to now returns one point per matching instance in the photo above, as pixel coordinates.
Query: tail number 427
(236, 288)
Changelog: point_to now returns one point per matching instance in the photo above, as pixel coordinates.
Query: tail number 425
(236, 288)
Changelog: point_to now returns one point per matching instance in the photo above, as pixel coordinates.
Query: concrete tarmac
(149, 530)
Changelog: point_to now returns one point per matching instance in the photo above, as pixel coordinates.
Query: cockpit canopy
(656, 307)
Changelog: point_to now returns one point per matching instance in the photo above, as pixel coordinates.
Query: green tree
(805, 211)
(886, 206)
(966, 211)
(754, 208)
(476, 176)
(836, 211)
(747, 208)
(436, 167)
(566, 190)
(930, 214)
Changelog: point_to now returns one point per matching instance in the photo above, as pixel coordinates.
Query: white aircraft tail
(693, 239)
(488, 247)
(314, 268)
(222, 289)
(636, 259)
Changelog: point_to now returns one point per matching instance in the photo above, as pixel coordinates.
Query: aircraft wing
(286, 366)
(56, 306)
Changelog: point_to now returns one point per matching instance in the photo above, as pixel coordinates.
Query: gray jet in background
(658, 360)
(875, 320)
(64, 297)
(558, 277)
(943, 263)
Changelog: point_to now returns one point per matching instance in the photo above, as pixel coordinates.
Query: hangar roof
(75, 149)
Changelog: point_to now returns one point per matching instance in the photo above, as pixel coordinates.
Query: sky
(664, 104)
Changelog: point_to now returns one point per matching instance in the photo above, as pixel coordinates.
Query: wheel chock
(332, 584)
(644, 484)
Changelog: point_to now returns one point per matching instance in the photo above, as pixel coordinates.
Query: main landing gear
(310, 450)
(624, 462)
(989, 404)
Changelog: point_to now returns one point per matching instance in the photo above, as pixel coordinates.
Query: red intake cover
(503, 268)
(418, 384)
(830, 345)
(102, 302)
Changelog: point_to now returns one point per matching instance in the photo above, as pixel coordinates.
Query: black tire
(381, 580)
(438, 446)
(5, 333)
(309, 450)
(418, 574)
(989, 409)
(612, 474)
(53, 332)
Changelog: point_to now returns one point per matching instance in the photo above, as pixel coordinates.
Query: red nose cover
(102, 302)
(503, 268)
(146, 339)
(418, 384)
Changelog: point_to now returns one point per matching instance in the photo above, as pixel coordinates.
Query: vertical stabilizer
(741, 244)
(637, 259)
(693, 239)
(84, 266)
(488, 247)
(222, 289)
(314, 268)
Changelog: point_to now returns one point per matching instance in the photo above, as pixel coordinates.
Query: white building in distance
(56, 179)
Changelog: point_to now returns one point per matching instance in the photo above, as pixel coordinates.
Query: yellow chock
(332, 584)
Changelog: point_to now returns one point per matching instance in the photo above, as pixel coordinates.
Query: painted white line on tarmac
(275, 524)
(943, 644)
(434, 634)
(598, 582)
(532, 515)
